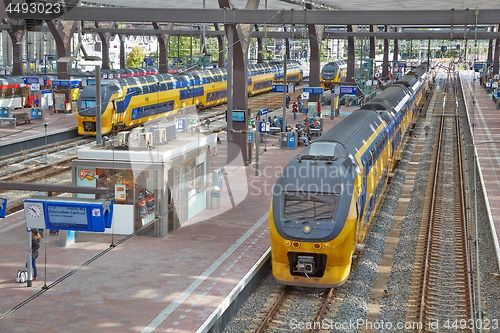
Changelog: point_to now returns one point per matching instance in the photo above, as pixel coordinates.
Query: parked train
(129, 102)
(14, 93)
(325, 198)
(332, 73)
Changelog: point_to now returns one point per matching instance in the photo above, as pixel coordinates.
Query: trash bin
(215, 198)
(284, 140)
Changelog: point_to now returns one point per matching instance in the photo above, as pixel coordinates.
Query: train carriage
(128, 102)
(325, 199)
(332, 73)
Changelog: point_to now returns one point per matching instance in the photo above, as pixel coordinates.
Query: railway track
(51, 164)
(297, 309)
(38, 153)
(441, 296)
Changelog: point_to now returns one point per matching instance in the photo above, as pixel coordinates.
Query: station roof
(361, 5)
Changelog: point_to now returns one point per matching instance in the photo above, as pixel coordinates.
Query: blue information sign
(313, 90)
(478, 66)
(250, 137)
(277, 88)
(263, 112)
(498, 92)
(181, 124)
(31, 80)
(3, 207)
(351, 90)
(68, 214)
(264, 126)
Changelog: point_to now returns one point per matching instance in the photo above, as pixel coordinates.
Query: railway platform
(184, 282)
(25, 135)
(483, 113)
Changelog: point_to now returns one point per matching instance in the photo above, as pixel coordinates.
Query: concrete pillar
(351, 54)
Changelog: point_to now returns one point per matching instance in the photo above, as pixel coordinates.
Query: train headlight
(306, 229)
(326, 245)
(286, 242)
(296, 244)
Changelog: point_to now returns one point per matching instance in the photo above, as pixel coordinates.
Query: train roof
(352, 131)
(387, 99)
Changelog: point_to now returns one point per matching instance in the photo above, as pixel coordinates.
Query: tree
(135, 58)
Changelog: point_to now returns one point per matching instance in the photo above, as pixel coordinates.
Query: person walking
(35, 245)
(287, 100)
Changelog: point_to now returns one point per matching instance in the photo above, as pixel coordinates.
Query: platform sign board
(181, 124)
(313, 90)
(250, 138)
(3, 208)
(31, 80)
(478, 66)
(401, 64)
(498, 92)
(46, 98)
(279, 88)
(264, 126)
(305, 95)
(263, 112)
(351, 90)
(68, 213)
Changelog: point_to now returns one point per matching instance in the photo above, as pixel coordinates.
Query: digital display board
(67, 216)
(238, 116)
(63, 213)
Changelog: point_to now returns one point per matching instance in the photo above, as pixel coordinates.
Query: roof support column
(351, 54)
(260, 47)
(122, 38)
(385, 63)
(63, 33)
(490, 52)
(315, 36)
(372, 46)
(239, 47)
(16, 36)
(163, 47)
(104, 37)
(496, 56)
(395, 57)
(222, 51)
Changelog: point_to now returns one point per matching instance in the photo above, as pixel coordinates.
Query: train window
(86, 103)
(307, 206)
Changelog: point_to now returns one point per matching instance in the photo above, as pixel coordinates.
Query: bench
(17, 119)
(10, 120)
(274, 130)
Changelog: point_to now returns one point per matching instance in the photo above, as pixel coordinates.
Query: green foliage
(135, 58)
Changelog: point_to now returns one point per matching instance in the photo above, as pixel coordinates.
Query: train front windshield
(87, 103)
(310, 207)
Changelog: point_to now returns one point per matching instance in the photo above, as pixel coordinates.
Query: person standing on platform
(35, 245)
(287, 100)
(295, 109)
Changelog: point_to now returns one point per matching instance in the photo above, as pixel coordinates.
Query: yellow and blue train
(131, 101)
(325, 198)
(332, 73)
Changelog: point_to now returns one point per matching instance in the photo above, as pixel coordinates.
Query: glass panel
(310, 207)
(88, 103)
